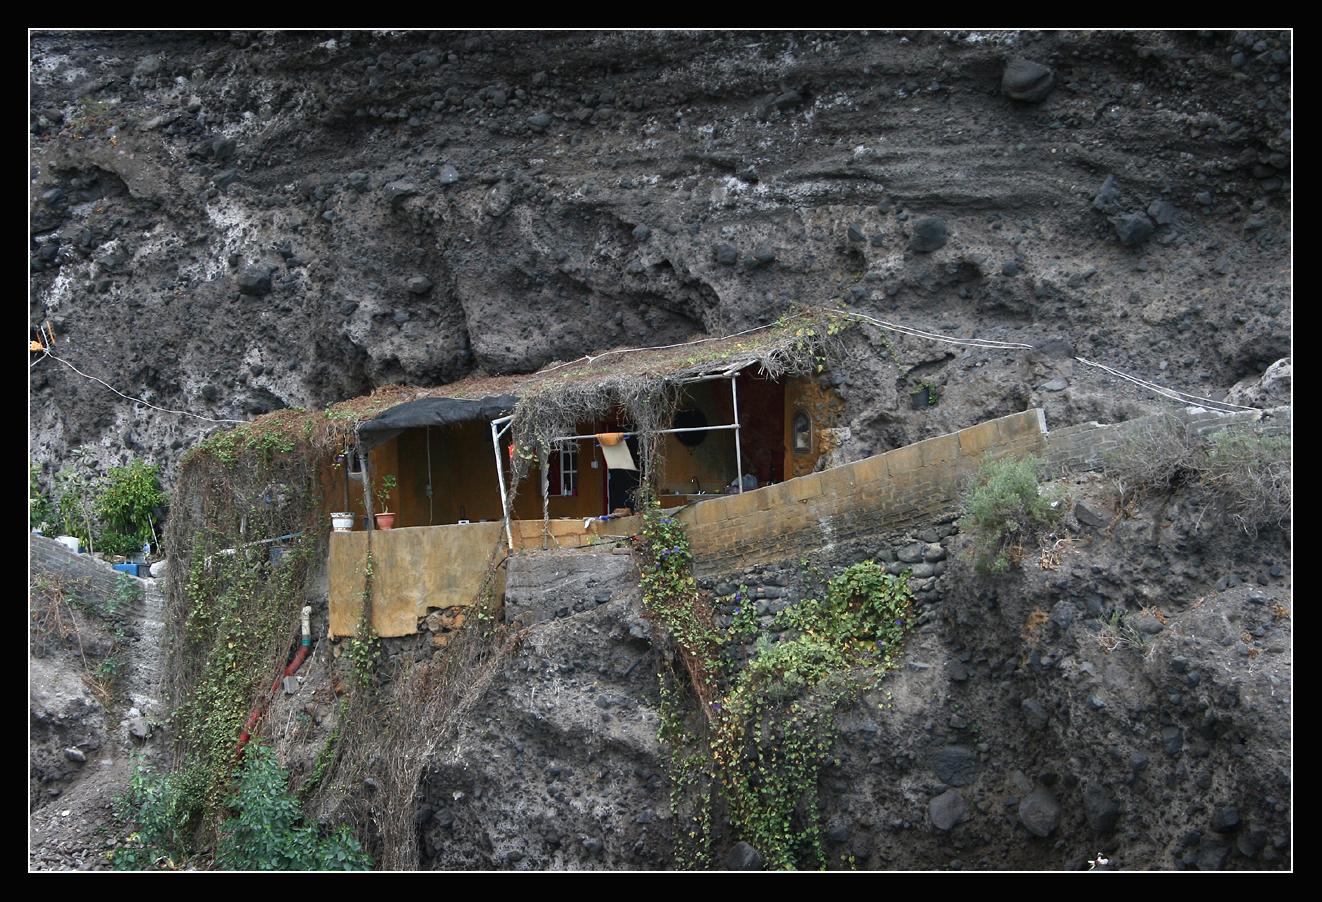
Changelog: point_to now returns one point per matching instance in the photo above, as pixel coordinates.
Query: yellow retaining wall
(414, 571)
(418, 569)
(868, 497)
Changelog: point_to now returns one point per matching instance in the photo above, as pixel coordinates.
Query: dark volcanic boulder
(1027, 80)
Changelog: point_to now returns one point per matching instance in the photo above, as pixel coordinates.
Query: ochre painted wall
(867, 497)
(823, 407)
(413, 571)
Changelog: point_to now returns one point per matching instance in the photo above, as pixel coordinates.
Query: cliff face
(224, 224)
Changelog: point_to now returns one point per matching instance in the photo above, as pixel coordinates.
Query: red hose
(299, 657)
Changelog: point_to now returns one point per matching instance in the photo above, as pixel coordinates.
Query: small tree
(127, 506)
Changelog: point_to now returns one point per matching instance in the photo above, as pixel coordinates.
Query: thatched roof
(622, 377)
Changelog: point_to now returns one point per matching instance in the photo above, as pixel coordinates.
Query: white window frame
(568, 468)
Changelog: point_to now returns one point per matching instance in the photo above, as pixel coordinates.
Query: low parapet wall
(880, 494)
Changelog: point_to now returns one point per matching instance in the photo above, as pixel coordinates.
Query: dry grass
(1248, 473)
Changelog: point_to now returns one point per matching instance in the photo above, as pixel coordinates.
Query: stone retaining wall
(909, 486)
(1085, 446)
(874, 496)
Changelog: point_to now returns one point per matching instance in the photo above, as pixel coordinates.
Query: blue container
(130, 569)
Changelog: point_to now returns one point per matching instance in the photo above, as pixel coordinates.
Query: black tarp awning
(431, 412)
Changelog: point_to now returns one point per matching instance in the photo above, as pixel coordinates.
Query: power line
(128, 397)
(1173, 394)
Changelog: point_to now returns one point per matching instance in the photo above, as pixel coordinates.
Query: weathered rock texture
(223, 224)
(227, 223)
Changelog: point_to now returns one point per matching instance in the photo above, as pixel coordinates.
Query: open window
(562, 465)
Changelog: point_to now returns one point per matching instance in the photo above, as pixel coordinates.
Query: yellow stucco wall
(414, 571)
(823, 408)
(867, 497)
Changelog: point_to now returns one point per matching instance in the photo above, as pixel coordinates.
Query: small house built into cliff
(556, 457)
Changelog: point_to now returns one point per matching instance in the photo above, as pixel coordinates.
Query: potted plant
(342, 521)
(385, 519)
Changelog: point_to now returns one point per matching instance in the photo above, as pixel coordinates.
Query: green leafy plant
(127, 504)
(1005, 510)
(388, 485)
(163, 812)
(127, 593)
(266, 832)
(777, 722)
(671, 596)
(760, 743)
(41, 512)
(75, 497)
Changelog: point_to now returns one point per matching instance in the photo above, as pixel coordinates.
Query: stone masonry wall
(1085, 446)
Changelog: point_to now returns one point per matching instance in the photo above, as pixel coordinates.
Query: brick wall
(1085, 446)
(92, 576)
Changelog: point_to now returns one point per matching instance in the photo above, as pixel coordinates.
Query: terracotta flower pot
(385, 520)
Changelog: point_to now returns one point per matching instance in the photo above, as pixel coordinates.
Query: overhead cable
(128, 397)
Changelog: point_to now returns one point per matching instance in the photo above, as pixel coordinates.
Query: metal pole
(500, 477)
(367, 493)
(574, 438)
(544, 459)
(738, 453)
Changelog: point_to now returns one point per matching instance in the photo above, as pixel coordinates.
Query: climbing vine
(756, 750)
(233, 603)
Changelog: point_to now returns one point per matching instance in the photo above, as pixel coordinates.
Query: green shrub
(1005, 510)
(1252, 477)
(126, 505)
(266, 835)
(159, 807)
(265, 832)
(75, 498)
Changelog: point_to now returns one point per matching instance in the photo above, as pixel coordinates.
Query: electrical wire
(932, 336)
(129, 397)
(1171, 393)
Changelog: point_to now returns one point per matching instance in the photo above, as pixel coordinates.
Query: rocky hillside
(227, 223)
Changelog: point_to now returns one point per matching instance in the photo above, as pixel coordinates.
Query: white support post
(500, 477)
(738, 452)
(544, 459)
